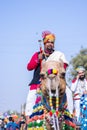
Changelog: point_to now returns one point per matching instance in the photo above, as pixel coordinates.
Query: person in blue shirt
(11, 125)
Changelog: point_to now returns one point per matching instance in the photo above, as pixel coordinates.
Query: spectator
(11, 125)
(78, 87)
(2, 124)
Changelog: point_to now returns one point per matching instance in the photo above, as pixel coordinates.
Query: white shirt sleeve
(69, 99)
(74, 85)
(86, 84)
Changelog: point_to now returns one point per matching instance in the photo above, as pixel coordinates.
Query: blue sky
(21, 25)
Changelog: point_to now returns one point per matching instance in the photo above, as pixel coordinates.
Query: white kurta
(69, 99)
(78, 88)
(30, 102)
(57, 56)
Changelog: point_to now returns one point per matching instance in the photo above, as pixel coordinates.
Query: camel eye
(62, 75)
(42, 76)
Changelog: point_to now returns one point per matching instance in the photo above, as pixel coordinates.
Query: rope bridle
(53, 112)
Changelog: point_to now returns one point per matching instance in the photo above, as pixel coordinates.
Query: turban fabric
(48, 37)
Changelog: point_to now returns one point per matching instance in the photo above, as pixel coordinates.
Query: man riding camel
(35, 64)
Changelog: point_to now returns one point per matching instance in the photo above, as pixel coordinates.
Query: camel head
(53, 76)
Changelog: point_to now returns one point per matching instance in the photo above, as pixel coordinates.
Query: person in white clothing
(69, 96)
(78, 87)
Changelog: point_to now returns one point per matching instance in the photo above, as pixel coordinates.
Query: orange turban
(48, 36)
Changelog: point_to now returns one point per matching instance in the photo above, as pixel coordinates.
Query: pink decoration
(49, 71)
(38, 100)
(45, 33)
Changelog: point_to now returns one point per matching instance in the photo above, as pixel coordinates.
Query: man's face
(49, 47)
(81, 75)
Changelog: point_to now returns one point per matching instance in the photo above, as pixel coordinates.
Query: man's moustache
(82, 77)
(50, 50)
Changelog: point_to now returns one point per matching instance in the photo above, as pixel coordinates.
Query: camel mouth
(53, 91)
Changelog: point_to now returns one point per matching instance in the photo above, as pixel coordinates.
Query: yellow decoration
(55, 71)
(40, 128)
(38, 91)
(68, 114)
(29, 128)
(35, 129)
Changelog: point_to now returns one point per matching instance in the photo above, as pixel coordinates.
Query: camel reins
(54, 113)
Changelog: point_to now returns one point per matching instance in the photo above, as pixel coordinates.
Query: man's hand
(40, 56)
(85, 92)
(79, 74)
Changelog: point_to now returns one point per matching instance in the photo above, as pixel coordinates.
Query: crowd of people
(74, 93)
(9, 123)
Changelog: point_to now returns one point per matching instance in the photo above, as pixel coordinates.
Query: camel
(50, 102)
(53, 86)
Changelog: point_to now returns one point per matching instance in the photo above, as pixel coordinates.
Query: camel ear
(61, 65)
(43, 67)
(43, 63)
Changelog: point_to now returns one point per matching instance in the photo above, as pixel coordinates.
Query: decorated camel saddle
(50, 109)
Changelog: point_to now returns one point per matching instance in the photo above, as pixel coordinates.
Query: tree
(79, 60)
